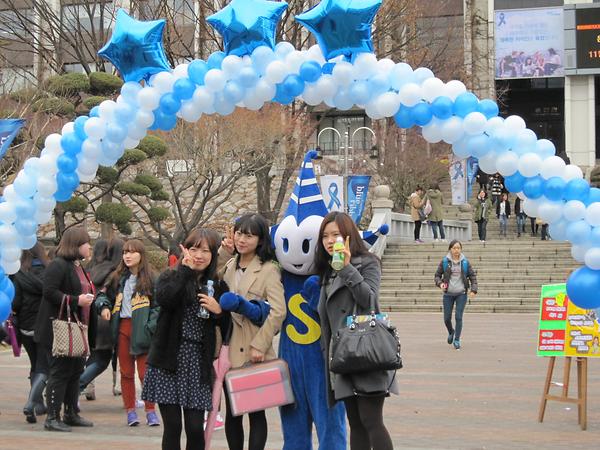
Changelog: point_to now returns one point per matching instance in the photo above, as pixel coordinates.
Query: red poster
(551, 341)
(554, 308)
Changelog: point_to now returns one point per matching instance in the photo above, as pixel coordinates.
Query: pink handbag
(12, 337)
(259, 386)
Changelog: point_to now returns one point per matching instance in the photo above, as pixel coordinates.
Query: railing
(403, 225)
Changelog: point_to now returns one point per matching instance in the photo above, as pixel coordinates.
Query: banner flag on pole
(358, 187)
(458, 181)
(9, 128)
(332, 188)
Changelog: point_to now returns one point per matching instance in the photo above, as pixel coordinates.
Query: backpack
(465, 265)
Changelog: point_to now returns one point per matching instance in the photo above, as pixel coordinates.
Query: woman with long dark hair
(66, 281)
(252, 274)
(106, 256)
(179, 375)
(355, 286)
(29, 285)
(127, 300)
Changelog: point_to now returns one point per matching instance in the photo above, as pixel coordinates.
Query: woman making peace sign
(341, 291)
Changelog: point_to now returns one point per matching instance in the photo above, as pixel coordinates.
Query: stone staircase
(509, 272)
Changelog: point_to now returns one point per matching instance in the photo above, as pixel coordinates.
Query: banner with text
(358, 187)
(332, 187)
(458, 181)
(564, 328)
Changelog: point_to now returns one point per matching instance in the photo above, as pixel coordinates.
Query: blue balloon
(115, 132)
(67, 181)
(583, 286)
(594, 238)
(310, 71)
(66, 163)
(183, 89)
(233, 92)
(5, 307)
(247, 24)
(281, 96)
(593, 197)
(124, 113)
(248, 77)
(197, 70)
(404, 118)
(25, 208)
(26, 226)
(78, 126)
(421, 114)
(478, 145)
(71, 144)
(328, 68)
(464, 104)
(111, 149)
(533, 187)
(341, 27)
(7, 286)
(378, 84)
(95, 112)
(169, 104)
(488, 108)
(441, 107)
(293, 85)
(554, 188)
(135, 47)
(222, 106)
(62, 195)
(215, 60)
(359, 92)
(578, 232)
(577, 189)
(514, 182)
(261, 57)
(558, 230)
(164, 121)
(2, 272)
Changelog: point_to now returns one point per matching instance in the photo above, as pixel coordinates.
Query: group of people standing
(427, 207)
(169, 327)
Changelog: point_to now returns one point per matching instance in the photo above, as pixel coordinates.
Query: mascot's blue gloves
(311, 291)
(255, 310)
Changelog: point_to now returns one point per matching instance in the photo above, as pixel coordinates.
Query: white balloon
(215, 80)
(410, 94)
(592, 214)
(135, 133)
(128, 143)
(452, 129)
(68, 127)
(42, 217)
(163, 82)
(432, 132)
(507, 163)
(326, 86)
(203, 99)
(530, 164)
(10, 195)
(8, 234)
(530, 207)
(283, 48)
(572, 172)
(144, 118)
(365, 65)
(190, 112)
(454, 88)
(44, 203)
(550, 212)
(385, 65)
(578, 252)
(493, 124)
(342, 74)
(488, 162)
(264, 90)
(574, 210)
(7, 212)
(106, 110)
(47, 165)
(515, 123)
(92, 149)
(95, 128)
(46, 184)
(181, 71)
(389, 103)
(400, 75)
(10, 267)
(311, 95)
(525, 140)
(231, 66)
(148, 98)
(276, 72)
(372, 110)
(87, 177)
(422, 73)
(592, 258)
(474, 123)
(554, 166)
(293, 61)
(11, 252)
(432, 88)
(52, 142)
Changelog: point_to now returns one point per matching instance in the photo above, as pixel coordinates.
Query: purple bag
(12, 337)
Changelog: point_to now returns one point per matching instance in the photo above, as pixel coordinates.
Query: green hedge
(75, 205)
(132, 157)
(68, 85)
(115, 213)
(102, 83)
(158, 214)
(54, 105)
(107, 175)
(153, 146)
(160, 196)
(130, 188)
(92, 101)
(151, 181)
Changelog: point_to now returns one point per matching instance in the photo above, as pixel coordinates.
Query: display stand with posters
(569, 331)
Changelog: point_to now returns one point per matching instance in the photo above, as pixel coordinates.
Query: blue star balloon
(135, 47)
(341, 27)
(247, 24)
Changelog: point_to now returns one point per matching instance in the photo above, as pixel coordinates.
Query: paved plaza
(485, 396)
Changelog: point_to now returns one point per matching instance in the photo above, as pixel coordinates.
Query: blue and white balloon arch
(341, 71)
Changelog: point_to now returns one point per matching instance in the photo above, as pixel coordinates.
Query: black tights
(234, 429)
(194, 427)
(367, 431)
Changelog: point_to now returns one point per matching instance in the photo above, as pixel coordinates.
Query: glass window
(83, 16)
(15, 22)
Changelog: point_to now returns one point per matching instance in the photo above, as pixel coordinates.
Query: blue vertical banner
(9, 128)
(358, 187)
(472, 168)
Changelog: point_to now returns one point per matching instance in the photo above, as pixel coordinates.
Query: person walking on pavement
(436, 217)
(417, 202)
(520, 214)
(29, 285)
(455, 277)
(503, 213)
(481, 214)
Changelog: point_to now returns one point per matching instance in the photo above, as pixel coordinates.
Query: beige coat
(416, 203)
(259, 281)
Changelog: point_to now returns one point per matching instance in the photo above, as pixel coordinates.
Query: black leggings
(194, 427)
(234, 429)
(365, 416)
(417, 229)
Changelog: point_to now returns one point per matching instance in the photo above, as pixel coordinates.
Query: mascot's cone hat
(306, 199)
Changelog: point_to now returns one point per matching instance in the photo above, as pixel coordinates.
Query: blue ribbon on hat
(333, 194)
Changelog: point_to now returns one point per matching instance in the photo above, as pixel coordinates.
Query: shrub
(115, 213)
(153, 146)
(92, 101)
(54, 105)
(130, 188)
(125, 228)
(132, 157)
(151, 181)
(28, 95)
(75, 205)
(158, 214)
(68, 85)
(107, 175)
(159, 196)
(102, 83)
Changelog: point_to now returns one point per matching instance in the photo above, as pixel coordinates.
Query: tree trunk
(263, 192)
(106, 229)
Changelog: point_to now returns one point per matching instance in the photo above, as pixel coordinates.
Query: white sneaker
(139, 403)
(436, 240)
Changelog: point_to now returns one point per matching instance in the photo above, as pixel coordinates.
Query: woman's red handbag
(259, 386)
(12, 337)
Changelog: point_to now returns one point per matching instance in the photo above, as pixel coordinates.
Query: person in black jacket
(520, 214)
(503, 213)
(180, 374)
(29, 282)
(105, 258)
(65, 281)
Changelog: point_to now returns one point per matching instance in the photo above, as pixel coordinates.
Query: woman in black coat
(65, 280)
(29, 283)
(356, 285)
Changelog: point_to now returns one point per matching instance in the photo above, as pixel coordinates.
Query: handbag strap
(62, 307)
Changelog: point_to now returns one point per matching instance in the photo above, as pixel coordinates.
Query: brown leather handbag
(70, 337)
